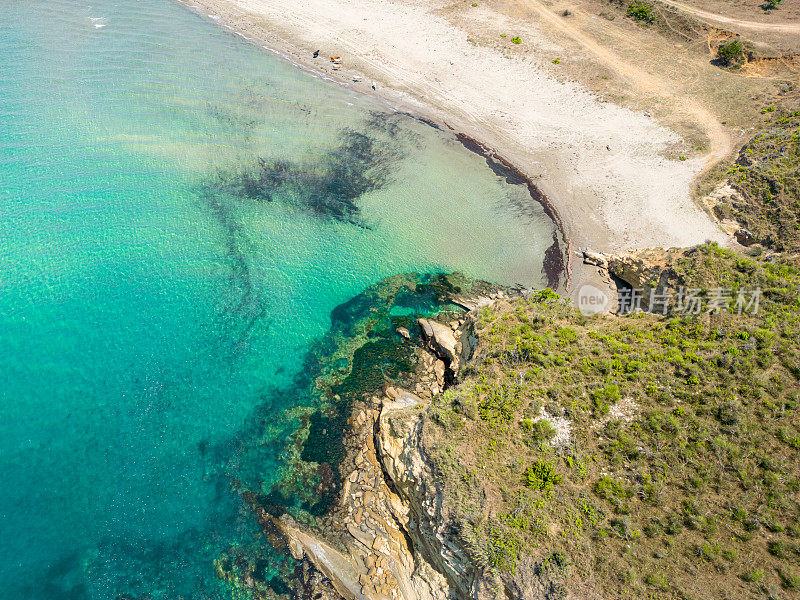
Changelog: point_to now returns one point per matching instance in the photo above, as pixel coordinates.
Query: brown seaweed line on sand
(556, 261)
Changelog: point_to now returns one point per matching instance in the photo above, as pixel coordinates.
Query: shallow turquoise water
(158, 284)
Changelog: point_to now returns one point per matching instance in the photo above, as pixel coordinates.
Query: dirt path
(720, 143)
(753, 25)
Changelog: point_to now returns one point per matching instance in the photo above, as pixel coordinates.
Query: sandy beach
(618, 179)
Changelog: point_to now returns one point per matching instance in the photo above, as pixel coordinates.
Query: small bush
(540, 431)
(731, 53)
(641, 11)
(790, 582)
(615, 492)
(504, 548)
(729, 413)
(566, 334)
(657, 580)
(604, 397)
(499, 405)
(753, 576)
(542, 476)
(729, 555)
(516, 40)
(770, 5)
(777, 549)
(545, 294)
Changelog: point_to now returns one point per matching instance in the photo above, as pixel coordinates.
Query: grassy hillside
(632, 457)
(767, 173)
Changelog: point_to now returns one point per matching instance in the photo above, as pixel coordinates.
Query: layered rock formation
(385, 537)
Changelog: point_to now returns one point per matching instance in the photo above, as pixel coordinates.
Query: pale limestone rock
(426, 328)
(438, 369)
(595, 258)
(296, 549)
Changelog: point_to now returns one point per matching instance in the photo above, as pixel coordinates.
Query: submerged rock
(348, 533)
(377, 540)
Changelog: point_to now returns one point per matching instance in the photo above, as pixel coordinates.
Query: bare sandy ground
(613, 175)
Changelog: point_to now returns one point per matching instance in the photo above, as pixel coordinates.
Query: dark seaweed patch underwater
(329, 186)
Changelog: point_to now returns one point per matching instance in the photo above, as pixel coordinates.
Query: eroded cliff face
(421, 510)
(423, 513)
(387, 537)
(372, 555)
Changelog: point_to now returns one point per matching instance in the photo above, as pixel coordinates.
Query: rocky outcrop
(386, 538)
(371, 557)
(441, 339)
(405, 464)
(640, 270)
(719, 201)
(452, 344)
(399, 443)
(597, 259)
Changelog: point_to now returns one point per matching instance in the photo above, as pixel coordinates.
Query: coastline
(346, 508)
(558, 256)
(557, 265)
(612, 175)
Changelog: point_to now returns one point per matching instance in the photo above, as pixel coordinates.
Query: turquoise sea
(180, 212)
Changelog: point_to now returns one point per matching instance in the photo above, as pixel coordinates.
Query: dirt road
(752, 25)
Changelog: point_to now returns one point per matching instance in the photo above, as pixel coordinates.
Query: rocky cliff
(386, 536)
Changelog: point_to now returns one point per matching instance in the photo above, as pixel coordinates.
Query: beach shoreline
(616, 179)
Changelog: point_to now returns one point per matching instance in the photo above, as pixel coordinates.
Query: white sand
(601, 165)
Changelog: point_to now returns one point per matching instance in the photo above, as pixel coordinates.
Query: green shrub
(753, 576)
(540, 431)
(641, 11)
(516, 40)
(500, 404)
(769, 5)
(790, 582)
(604, 397)
(504, 548)
(729, 412)
(729, 555)
(777, 549)
(615, 492)
(707, 551)
(567, 334)
(731, 54)
(542, 476)
(658, 580)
